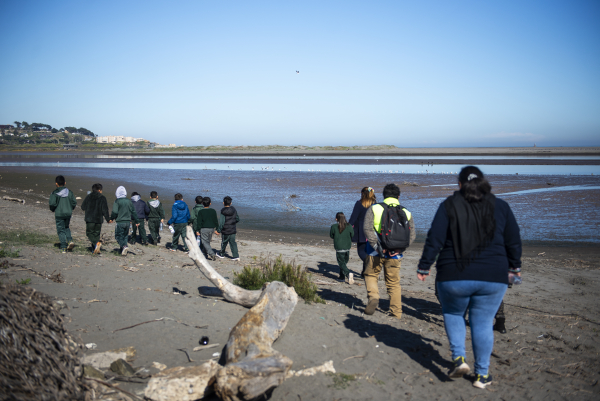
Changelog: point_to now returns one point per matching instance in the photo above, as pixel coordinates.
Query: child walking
(96, 208)
(62, 202)
(227, 226)
(199, 206)
(342, 234)
(180, 215)
(123, 213)
(208, 222)
(142, 210)
(156, 216)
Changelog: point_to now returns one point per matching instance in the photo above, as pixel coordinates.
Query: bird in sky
(297, 72)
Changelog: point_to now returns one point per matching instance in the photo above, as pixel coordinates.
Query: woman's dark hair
(367, 197)
(473, 185)
(341, 219)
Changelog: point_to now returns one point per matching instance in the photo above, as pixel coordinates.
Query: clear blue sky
(405, 73)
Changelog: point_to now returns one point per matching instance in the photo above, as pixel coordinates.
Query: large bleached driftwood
(252, 367)
(231, 292)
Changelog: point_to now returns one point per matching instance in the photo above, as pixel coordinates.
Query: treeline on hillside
(37, 127)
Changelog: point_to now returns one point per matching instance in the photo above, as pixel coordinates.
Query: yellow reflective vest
(378, 212)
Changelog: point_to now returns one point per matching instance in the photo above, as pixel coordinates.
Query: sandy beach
(549, 352)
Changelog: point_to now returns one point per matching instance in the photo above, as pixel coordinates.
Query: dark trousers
(342, 260)
(64, 232)
(179, 232)
(92, 230)
(229, 239)
(121, 233)
(142, 228)
(361, 249)
(153, 227)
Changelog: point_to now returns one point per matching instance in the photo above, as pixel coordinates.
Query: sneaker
(371, 306)
(172, 250)
(124, 251)
(71, 246)
(97, 248)
(218, 254)
(499, 326)
(351, 278)
(235, 259)
(460, 368)
(482, 381)
(63, 250)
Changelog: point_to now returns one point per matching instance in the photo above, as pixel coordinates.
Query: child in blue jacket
(180, 215)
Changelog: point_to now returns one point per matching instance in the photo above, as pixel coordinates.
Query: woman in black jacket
(478, 242)
(357, 218)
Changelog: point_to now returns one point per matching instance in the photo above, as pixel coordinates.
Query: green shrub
(25, 281)
(26, 238)
(9, 254)
(253, 278)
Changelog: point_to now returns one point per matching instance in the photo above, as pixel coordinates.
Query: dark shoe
(499, 326)
(371, 306)
(482, 381)
(460, 368)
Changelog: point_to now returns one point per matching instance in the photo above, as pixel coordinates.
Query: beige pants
(391, 269)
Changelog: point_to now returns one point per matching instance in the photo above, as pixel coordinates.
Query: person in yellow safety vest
(388, 259)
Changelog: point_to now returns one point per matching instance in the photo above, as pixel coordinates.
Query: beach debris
(159, 366)
(90, 371)
(91, 346)
(203, 347)
(121, 367)
(37, 358)
(287, 205)
(130, 269)
(183, 383)
(95, 300)
(158, 320)
(186, 354)
(78, 197)
(204, 340)
(327, 367)
(102, 360)
(130, 352)
(8, 198)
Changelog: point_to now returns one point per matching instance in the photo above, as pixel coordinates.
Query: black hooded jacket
(228, 221)
(95, 207)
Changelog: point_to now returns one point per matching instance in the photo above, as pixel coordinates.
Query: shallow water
(564, 212)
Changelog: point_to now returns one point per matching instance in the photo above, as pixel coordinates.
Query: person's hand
(197, 233)
(393, 253)
(137, 225)
(421, 277)
(162, 221)
(217, 233)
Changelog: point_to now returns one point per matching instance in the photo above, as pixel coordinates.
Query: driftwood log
(231, 292)
(8, 198)
(252, 366)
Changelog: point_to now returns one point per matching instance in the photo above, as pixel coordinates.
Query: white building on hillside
(118, 139)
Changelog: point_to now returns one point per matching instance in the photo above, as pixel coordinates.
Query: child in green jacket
(62, 202)
(123, 213)
(156, 217)
(342, 234)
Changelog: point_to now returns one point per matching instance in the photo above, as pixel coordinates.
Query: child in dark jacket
(342, 234)
(123, 213)
(96, 208)
(199, 206)
(180, 215)
(142, 210)
(155, 217)
(62, 202)
(227, 226)
(207, 222)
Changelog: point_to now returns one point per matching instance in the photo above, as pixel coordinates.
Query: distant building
(68, 146)
(7, 127)
(171, 145)
(118, 139)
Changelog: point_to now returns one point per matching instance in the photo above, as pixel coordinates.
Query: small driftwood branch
(158, 320)
(231, 292)
(8, 198)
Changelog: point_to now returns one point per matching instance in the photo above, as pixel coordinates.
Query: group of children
(133, 213)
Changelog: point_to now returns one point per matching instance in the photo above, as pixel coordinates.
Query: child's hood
(180, 205)
(154, 203)
(95, 195)
(121, 192)
(62, 192)
(135, 198)
(228, 211)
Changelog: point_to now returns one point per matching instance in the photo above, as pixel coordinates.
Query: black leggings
(361, 249)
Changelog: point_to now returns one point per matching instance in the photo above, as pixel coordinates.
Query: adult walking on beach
(357, 220)
(379, 256)
(478, 242)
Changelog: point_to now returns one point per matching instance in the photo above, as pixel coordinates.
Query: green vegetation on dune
(20, 237)
(253, 278)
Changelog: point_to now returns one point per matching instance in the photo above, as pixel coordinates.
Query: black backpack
(395, 231)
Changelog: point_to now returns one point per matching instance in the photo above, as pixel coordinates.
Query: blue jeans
(482, 299)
